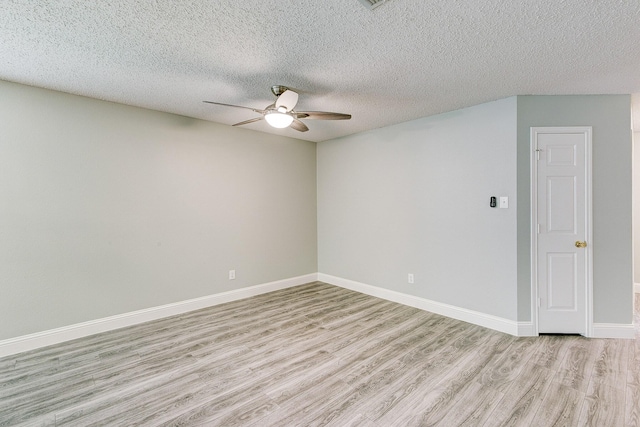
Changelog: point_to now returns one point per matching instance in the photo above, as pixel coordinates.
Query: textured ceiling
(405, 59)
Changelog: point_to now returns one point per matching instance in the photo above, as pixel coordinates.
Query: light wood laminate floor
(321, 355)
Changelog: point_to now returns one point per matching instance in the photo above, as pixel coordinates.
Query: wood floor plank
(578, 363)
(222, 392)
(14, 392)
(348, 400)
(227, 411)
(7, 365)
(560, 407)
(632, 405)
(552, 350)
(301, 408)
(603, 406)
(45, 421)
(365, 360)
(376, 336)
(351, 313)
(633, 367)
(435, 387)
(289, 387)
(402, 359)
(610, 367)
(321, 355)
(523, 397)
(500, 372)
(475, 407)
(128, 406)
(359, 420)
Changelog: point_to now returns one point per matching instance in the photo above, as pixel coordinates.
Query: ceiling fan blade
(298, 125)
(321, 115)
(246, 122)
(287, 99)
(236, 106)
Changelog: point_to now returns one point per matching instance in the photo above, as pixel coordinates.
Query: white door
(561, 168)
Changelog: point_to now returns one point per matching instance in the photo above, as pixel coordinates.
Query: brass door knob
(580, 244)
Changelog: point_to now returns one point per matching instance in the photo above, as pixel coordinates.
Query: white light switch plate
(504, 202)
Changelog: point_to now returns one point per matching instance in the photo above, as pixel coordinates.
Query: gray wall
(414, 198)
(636, 206)
(107, 209)
(610, 117)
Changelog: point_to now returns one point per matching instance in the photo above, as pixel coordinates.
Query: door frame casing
(588, 133)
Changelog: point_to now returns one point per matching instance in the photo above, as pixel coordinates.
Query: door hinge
(538, 228)
(538, 153)
(539, 302)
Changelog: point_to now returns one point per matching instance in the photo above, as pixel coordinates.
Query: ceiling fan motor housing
(277, 90)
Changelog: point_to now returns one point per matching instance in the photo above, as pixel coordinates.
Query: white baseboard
(636, 287)
(481, 319)
(79, 330)
(613, 330)
(520, 329)
(526, 329)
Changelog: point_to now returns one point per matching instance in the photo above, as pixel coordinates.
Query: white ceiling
(404, 60)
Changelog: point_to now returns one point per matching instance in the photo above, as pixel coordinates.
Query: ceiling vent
(372, 4)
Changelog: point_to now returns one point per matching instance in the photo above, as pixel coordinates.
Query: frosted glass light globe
(278, 120)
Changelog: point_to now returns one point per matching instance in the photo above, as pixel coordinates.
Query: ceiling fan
(280, 114)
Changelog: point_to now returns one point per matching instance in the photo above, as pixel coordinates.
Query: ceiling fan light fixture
(281, 113)
(278, 120)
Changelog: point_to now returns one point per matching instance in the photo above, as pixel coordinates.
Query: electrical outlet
(410, 278)
(232, 274)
